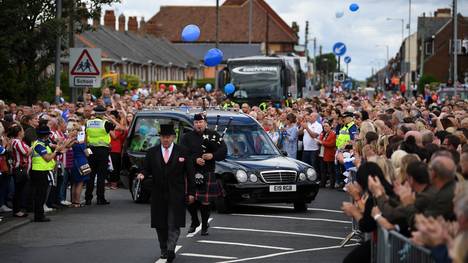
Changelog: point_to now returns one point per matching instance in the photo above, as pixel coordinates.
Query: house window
(429, 49)
(458, 46)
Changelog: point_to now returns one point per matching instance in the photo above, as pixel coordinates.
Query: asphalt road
(120, 233)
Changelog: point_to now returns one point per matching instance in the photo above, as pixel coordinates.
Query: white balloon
(339, 14)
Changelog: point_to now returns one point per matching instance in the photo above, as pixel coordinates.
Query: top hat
(167, 129)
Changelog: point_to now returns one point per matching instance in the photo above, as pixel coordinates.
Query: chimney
(142, 25)
(132, 24)
(122, 23)
(109, 19)
(443, 12)
(97, 20)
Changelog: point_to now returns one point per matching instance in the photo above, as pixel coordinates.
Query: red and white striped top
(19, 150)
(58, 136)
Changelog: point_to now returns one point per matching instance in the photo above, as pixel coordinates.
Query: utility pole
(306, 41)
(455, 45)
(58, 49)
(315, 60)
(409, 41)
(267, 35)
(217, 23)
(250, 21)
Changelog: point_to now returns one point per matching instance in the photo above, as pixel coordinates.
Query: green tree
(327, 63)
(425, 79)
(27, 42)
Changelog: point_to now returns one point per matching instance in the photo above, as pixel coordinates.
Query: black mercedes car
(255, 170)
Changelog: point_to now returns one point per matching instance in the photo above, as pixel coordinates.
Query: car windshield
(247, 141)
(256, 82)
(146, 133)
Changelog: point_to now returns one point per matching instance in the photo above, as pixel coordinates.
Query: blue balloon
(213, 57)
(229, 88)
(208, 87)
(135, 97)
(190, 33)
(354, 7)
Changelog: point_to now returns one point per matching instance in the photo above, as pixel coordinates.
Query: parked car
(254, 171)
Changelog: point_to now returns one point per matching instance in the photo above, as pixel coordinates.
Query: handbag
(85, 169)
(21, 174)
(4, 169)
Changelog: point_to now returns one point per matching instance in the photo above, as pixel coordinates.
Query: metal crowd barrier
(391, 247)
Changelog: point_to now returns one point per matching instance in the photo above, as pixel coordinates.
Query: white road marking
(243, 244)
(285, 253)
(205, 256)
(198, 229)
(278, 232)
(309, 209)
(164, 260)
(296, 218)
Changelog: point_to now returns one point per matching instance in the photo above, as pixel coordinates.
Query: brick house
(234, 24)
(435, 36)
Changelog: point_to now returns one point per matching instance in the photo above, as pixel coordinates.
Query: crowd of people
(403, 160)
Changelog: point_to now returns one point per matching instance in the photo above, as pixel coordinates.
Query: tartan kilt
(210, 190)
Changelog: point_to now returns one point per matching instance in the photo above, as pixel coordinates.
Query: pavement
(120, 232)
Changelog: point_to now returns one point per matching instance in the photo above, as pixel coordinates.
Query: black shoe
(163, 254)
(88, 202)
(43, 219)
(103, 202)
(170, 256)
(204, 232)
(193, 228)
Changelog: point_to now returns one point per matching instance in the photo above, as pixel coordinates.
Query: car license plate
(283, 188)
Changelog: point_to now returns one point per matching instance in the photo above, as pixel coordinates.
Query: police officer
(205, 148)
(348, 132)
(98, 141)
(43, 165)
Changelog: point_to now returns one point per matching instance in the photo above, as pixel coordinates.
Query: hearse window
(248, 141)
(146, 133)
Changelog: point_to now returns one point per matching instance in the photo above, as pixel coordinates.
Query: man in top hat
(173, 185)
(98, 140)
(205, 148)
(43, 165)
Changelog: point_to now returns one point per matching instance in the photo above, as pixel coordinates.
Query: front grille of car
(279, 176)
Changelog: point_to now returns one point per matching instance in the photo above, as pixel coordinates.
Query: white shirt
(170, 150)
(310, 144)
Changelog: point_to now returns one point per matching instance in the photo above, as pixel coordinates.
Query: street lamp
(386, 46)
(402, 26)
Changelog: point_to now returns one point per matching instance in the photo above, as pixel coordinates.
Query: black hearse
(254, 170)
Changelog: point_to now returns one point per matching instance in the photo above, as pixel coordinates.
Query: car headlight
(311, 174)
(241, 176)
(302, 177)
(253, 178)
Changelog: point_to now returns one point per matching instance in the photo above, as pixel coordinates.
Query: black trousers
(168, 236)
(360, 254)
(39, 185)
(19, 192)
(328, 172)
(99, 162)
(116, 163)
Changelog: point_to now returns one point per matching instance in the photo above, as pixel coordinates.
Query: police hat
(348, 114)
(199, 117)
(99, 109)
(43, 129)
(167, 129)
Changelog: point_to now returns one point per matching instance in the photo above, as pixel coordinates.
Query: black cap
(99, 109)
(348, 114)
(199, 117)
(43, 129)
(167, 129)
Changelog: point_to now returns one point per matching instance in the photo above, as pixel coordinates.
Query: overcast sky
(361, 31)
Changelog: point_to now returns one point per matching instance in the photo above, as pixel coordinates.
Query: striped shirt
(58, 136)
(19, 154)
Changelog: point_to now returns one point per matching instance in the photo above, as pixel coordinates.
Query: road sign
(348, 84)
(85, 67)
(339, 49)
(338, 76)
(347, 59)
